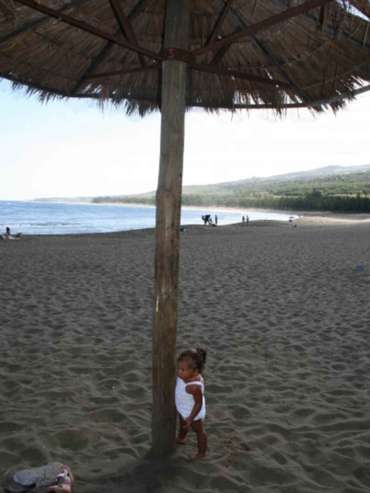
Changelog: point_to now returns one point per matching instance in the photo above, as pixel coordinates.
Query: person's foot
(62, 488)
(197, 456)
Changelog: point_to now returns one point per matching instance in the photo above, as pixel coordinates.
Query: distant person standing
(243, 219)
(216, 219)
(7, 231)
(247, 220)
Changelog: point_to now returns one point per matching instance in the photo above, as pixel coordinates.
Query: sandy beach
(283, 311)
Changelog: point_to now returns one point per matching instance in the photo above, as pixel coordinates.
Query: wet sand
(284, 313)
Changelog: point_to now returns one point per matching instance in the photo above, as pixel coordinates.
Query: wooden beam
(261, 26)
(219, 22)
(123, 21)
(92, 66)
(238, 74)
(174, 77)
(365, 35)
(138, 7)
(104, 52)
(88, 28)
(272, 58)
(328, 29)
(277, 64)
(37, 22)
(322, 17)
(132, 70)
(125, 25)
(218, 56)
(254, 7)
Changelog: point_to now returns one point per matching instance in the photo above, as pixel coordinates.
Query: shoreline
(241, 210)
(215, 208)
(306, 220)
(300, 218)
(330, 218)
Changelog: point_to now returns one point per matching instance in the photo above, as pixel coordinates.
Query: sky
(74, 149)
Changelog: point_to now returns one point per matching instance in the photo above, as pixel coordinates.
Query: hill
(335, 188)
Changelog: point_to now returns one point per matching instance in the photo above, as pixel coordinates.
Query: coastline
(331, 218)
(152, 206)
(308, 219)
(67, 218)
(328, 215)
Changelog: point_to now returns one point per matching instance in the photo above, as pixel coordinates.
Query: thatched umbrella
(176, 54)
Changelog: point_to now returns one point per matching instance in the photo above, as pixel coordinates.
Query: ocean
(51, 218)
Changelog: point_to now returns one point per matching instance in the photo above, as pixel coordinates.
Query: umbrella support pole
(168, 201)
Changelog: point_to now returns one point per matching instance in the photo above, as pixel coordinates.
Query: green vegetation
(347, 192)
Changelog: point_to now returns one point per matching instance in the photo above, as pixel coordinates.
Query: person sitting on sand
(8, 236)
(189, 397)
(64, 482)
(54, 477)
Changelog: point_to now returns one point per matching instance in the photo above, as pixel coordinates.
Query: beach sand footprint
(74, 439)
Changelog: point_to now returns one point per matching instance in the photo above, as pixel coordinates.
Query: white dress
(185, 401)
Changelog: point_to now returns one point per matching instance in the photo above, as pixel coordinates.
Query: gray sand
(284, 313)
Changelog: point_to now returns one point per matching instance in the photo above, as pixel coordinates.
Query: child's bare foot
(199, 455)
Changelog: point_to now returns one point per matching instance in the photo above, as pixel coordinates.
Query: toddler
(189, 397)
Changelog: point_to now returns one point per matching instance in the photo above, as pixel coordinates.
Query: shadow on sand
(146, 475)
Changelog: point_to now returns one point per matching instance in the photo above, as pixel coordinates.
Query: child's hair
(195, 357)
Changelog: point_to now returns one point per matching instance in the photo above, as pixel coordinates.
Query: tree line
(311, 201)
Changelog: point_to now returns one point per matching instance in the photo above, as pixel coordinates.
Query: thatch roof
(257, 53)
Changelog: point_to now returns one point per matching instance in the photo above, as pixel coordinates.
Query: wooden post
(167, 230)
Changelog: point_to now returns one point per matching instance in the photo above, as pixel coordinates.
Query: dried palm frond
(241, 54)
